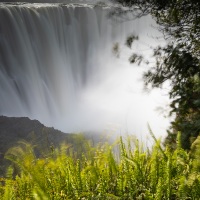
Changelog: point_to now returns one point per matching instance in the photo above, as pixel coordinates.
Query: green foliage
(182, 70)
(130, 39)
(178, 62)
(125, 170)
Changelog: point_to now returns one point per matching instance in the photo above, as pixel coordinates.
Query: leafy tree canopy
(178, 62)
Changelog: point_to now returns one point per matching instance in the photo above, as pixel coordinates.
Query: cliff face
(14, 129)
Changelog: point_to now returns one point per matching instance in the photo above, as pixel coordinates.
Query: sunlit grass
(124, 170)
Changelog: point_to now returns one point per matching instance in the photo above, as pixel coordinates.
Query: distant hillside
(14, 129)
(44, 139)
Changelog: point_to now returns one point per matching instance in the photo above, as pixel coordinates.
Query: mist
(57, 66)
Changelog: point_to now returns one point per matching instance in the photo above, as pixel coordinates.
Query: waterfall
(57, 66)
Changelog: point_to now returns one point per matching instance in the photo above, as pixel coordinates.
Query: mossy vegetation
(124, 170)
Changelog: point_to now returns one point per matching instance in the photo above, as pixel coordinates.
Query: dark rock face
(14, 129)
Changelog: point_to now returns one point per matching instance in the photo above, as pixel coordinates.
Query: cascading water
(57, 66)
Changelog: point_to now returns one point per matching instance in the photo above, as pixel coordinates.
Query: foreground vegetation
(125, 170)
